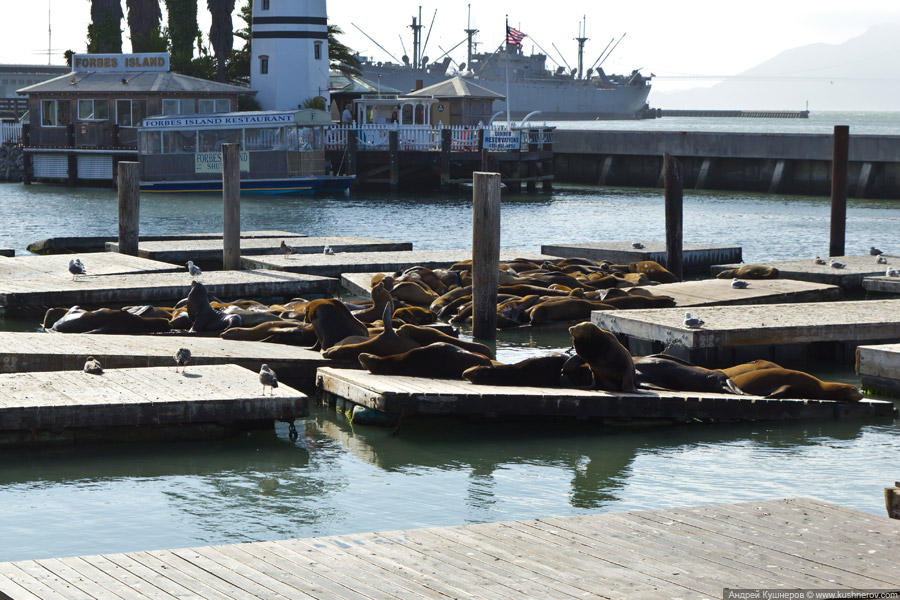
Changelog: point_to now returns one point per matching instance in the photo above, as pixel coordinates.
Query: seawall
(11, 162)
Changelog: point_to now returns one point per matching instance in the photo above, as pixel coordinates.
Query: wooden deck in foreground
(415, 396)
(696, 258)
(679, 553)
(850, 277)
(878, 368)
(72, 406)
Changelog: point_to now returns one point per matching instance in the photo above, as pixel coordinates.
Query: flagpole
(508, 121)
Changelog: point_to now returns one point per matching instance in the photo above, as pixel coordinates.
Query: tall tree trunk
(221, 35)
(143, 17)
(183, 31)
(104, 32)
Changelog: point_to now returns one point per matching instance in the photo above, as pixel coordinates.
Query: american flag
(514, 36)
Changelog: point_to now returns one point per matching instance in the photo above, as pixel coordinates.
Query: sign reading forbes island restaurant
(146, 61)
(501, 139)
(211, 162)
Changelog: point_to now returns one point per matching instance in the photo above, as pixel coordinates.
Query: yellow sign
(211, 162)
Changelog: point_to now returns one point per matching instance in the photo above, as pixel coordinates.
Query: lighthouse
(289, 53)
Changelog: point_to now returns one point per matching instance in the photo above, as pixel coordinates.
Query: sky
(681, 43)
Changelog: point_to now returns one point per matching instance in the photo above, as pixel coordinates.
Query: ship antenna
(428, 35)
(470, 32)
(49, 34)
(581, 39)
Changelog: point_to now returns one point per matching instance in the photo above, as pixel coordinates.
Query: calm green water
(336, 479)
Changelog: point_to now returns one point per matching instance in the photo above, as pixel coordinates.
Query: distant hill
(861, 74)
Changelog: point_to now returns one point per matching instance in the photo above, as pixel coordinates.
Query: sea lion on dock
(749, 272)
(538, 371)
(380, 298)
(332, 322)
(384, 344)
(749, 366)
(259, 332)
(654, 271)
(675, 374)
(425, 335)
(203, 316)
(412, 292)
(610, 362)
(439, 361)
(786, 383)
(108, 320)
(565, 309)
(439, 304)
(415, 315)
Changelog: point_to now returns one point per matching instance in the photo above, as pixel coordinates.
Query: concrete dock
(209, 251)
(697, 552)
(335, 265)
(850, 277)
(56, 266)
(784, 333)
(155, 288)
(882, 285)
(696, 258)
(98, 243)
(878, 368)
(135, 404)
(410, 397)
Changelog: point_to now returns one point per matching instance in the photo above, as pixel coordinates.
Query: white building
(289, 58)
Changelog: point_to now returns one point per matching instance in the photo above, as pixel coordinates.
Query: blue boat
(281, 152)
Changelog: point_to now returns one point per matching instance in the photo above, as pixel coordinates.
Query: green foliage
(182, 31)
(104, 35)
(247, 102)
(341, 57)
(315, 102)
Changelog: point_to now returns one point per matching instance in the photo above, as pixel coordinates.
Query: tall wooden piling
(485, 253)
(129, 207)
(446, 144)
(352, 147)
(839, 162)
(892, 500)
(674, 214)
(394, 154)
(231, 205)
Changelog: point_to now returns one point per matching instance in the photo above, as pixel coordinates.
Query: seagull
(738, 284)
(287, 250)
(819, 261)
(637, 245)
(874, 251)
(92, 366)
(881, 260)
(268, 379)
(193, 269)
(836, 264)
(692, 322)
(892, 272)
(182, 358)
(76, 268)
(327, 250)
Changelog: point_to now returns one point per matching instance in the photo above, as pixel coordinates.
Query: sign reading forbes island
(501, 139)
(211, 162)
(176, 121)
(147, 61)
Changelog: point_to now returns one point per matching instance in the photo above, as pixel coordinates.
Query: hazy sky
(670, 39)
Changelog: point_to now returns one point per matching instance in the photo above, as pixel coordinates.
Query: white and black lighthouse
(289, 57)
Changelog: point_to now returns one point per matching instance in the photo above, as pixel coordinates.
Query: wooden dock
(784, 333)
(60, 245)
(878, 368)
(336, 265)
(697, 552)
(153, 288)
(132, 404)
(696, 258)
(209, 251)
(851, 277)
(56, 266)
(882, 285)
(420, 397)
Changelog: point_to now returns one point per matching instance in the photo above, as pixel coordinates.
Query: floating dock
(882, 285)
(56, 266)
(878, 368)
(408, 397)
(696, 258)
(777, 545)
(7, 252)
(851, 277)
(209, 251)
(136, 404)
(335, 265)
(59, 245)
(783, 333)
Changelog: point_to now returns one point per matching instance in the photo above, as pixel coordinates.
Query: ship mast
(417, 38)
(581, 39)
(470, 33)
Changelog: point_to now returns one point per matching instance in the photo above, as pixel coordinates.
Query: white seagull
(268, 379)
(738, 284)
(76, 268)
(892, 272)
(327, 250)
(692, 322)
(819, 261)
(881, 260)
(193, 269)
(92, 366)
(182, 358)
(836, 264)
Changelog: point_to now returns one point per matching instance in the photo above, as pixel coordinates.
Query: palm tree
(104, 33)
(183, 31)
(144, 17)
(220, 33)
(341, 57)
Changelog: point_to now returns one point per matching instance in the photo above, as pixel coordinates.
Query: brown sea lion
(610, 362)
(439, 360)
(439, 303)
(425, 276)
(637, 302)
(654, 271)
(538, 371)
(150, 312)
(52, 316)
(258, 332)
(428, 335)
(674, 374)
(384, 344)
(380, 298)
(412, 292)
(565, 309)
(515, 309)
(415, 315)
(301, 334)
(332, 322)
(107, 320)
(576, 373)
(750, 272)
(786, 383)
(749, 366)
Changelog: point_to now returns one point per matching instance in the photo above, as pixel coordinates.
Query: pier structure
(849, 277)
(775, 163)
(696, 258)
(878, 368)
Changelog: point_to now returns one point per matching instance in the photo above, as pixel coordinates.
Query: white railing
(536, 136)
(463, 138)
(10, 133)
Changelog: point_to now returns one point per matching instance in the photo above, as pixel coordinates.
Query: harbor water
(339, 479)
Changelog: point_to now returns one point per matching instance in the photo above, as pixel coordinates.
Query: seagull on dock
(692, 322)
(92, 366)
(268, 379)
(327, 250)
(287, 250)
(637, 245)
(836, 264)
(193, 269)
(738, 284)
(881, 260)
(819, 261)
(182, 358)
(76, 268)
(874, 251)
(892, 272)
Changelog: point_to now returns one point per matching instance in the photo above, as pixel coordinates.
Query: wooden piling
(28, 164)
(892, 500)
(231, 202)
(547, 147)
(352, 147)
(674, 215)
(839, 189)
(129, 207)
(485, 253)
(394, 154)
(446, 143)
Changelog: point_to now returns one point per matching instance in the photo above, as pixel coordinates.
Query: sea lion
(428, 335)
(415, 315)
(380, 298)
(576, 373)
(750, 272)
(654, 271)
(107, 320)
(450, 297)
(674, 374)
(412, 292)
(257, 333)
(538, 371)
(610, 362)
(332, 322)
(425, 276)
(514, 309)
(53, 315)
(630, 302)
(439, 361)
(786, 383)
(384, 344)
(250, 317)
(150, 311)
(565, 309)
(749, 366)
(301, 334)
(203, 316)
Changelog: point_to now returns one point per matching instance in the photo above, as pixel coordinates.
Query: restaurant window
(93, 110)
(213, 105)
(264, 65)
(130, 113)
(178, 142)
(49, 113)
(149, 142)
(211, 140)
(178, 106)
